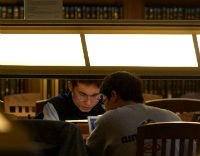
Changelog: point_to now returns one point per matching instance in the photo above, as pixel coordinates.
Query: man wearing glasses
(82, 101)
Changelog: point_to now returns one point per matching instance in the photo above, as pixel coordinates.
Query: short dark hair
(86, 81)
(127, 85)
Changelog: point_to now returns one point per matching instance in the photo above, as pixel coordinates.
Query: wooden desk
(83, 125)
(84, 130)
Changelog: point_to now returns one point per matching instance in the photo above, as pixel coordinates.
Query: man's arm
(50, 112)
(96, 141)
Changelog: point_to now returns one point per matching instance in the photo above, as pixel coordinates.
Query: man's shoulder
(98, 108)
(163, 113)
(107, 116)
(157, 109)
(60, 102)
(59, 98)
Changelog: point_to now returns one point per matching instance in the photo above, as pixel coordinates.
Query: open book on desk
(77, 121)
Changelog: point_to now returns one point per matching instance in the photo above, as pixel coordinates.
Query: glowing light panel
(148, 50)
(41, 50)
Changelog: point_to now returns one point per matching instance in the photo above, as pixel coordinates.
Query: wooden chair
(15, 141)
(192, 95)
(152, 139)
(148, 97)
(39, 104)
(1, 106)
(184, 107)
(21, 105)
(55, 138)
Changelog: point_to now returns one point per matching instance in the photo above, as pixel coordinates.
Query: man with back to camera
(82, 101)
(116, 129)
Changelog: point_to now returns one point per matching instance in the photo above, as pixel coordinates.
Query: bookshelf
(10, 86)
(171, 87)
(166, 87)
(130, 9)
(125, 9)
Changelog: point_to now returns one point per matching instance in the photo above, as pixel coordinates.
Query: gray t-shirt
(115, 130)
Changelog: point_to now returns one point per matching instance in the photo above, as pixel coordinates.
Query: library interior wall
(132, 9)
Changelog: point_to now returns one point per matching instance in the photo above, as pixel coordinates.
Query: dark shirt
(67, 110)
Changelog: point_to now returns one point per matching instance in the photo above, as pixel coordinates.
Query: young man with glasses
(82, 101)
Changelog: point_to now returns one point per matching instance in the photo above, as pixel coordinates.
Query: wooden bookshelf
(132, 9)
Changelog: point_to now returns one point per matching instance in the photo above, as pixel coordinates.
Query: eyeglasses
(84, 97)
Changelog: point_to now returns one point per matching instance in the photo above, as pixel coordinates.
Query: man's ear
(114, 96)
(70, 87)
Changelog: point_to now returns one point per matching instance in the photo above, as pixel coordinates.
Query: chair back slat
(173, 137)
(198, 145)
(140, 143)
(182, 142)
(154, 148)
(190, 149)
(172, 148)
(163, 153)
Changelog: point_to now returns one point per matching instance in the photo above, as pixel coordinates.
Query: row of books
(172, 13)
(170, 87)
(12, 12)
(69, 12)
(93, 12)
(165, 87)
(11, 86)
